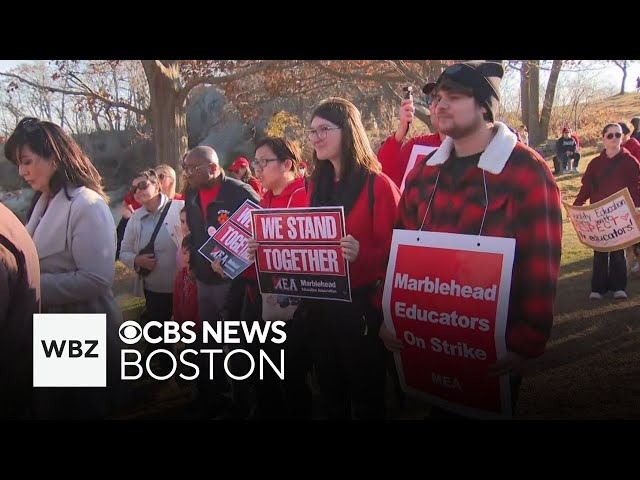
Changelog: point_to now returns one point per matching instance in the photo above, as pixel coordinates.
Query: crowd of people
(482, 178)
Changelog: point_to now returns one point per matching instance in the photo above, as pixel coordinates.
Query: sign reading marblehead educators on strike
(299, 252)
(230, 242)
(607, 225)
(446, 296)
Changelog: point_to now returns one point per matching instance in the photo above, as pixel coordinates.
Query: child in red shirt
(185, 290)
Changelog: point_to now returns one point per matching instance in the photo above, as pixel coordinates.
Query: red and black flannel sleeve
(538, 249)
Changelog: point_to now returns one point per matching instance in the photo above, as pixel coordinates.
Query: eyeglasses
(263, 163)
(142, 185)
(611, 135)
(191, 169)
(320, 133)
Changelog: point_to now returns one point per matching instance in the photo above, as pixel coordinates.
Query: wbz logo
(74, 348)
(288, 284)
(69, 350)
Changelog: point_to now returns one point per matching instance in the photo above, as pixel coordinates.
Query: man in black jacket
(210, 200)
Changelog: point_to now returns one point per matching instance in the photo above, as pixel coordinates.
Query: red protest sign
(307, 225)
(242, 216)
(301, 259)
(234, 239)
(299, 252)
(446, 298)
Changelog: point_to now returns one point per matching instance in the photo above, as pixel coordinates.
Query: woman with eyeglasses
(277, 166)
(611, 171)
(160, 262)
(74, 233)
(348, 354)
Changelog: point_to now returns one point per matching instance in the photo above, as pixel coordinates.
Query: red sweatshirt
(294, 195)
(394, 156)
(374, 232)
(634, 147)
(255, 184)
(625, 173)
(185, 299)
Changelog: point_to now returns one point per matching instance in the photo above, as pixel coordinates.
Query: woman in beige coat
(74, 233)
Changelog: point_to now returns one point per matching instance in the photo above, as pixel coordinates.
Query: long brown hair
(356, 152)
(356, 155)
(48, 140)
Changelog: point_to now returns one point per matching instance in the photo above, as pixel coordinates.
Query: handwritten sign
(607, 225)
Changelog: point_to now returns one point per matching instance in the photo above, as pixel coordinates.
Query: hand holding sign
(252, 248)
(510, 363)
(216, 266)
(393, 343)
(350, 248)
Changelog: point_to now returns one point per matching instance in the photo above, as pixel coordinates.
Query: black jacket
(232, 194)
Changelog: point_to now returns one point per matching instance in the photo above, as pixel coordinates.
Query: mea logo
(281, 283)
(69, 350)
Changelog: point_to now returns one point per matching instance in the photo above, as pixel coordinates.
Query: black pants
(291, 397)
(609, 272)
(349, 358)
(565, 160)
(159, 308)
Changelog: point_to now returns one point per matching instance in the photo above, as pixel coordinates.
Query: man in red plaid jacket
(523, 203)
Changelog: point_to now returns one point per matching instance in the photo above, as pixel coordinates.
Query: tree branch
(216, 80)
(76, 92)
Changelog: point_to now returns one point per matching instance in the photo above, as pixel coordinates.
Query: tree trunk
(534, 102)
(168, 113)
(524, 93)
(548, 100)
(624, 76)
(426, 118)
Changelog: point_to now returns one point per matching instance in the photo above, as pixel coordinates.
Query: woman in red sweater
(347, 352)
(611, 171)
(277, 162)
(277, 166)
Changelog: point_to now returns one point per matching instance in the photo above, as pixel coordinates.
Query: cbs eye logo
(130, 332)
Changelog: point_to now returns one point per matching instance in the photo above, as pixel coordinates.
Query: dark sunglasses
(611, 135)
(142, 185)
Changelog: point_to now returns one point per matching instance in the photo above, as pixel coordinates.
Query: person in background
(635, 121)
(611, 171)
(394, 153)
(241, 170)
(567, 150)
(524, 135)
(168, 183)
